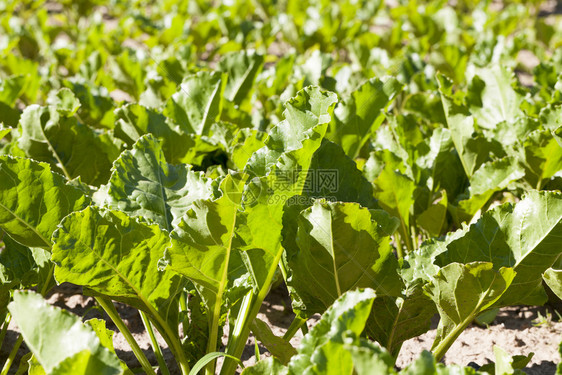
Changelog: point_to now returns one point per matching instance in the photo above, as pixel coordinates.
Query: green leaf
(242, 68)
(197, 332)
(334, 175)
(433, 219)
(492, 99)
(33, 201)
(59, 340)
(492, 176)
(198, 103)
(440, 164)
(95, 110)
(293, 141)
(395, 193)
(66, 103)
(105, 335)
(473, 150)
(525, 236)
(243, 146)
(359, 116)
(369, 358)
(277, 346)
(496, 175)
(284, 162)
(11, 88)
(505, 364)
(553, 278)
(338, 247)
(345, 319)
(202, 244)
(128, 73)
(208, 358)
(47, 136)
(114, 255)
(461, 292)
(16, 262)
(395, 320)
(142, 184)
(270, 366)
(135, 120)
(4, 131)
(543, 157)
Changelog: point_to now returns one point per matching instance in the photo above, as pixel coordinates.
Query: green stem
(236, 343)
(183, 307)
(45, 289)
(155, 346)
(406, 235)
(399, 250)
(5, 328)
(444, 345)
(107, 305)
(294, 327)
(12, 356)
(216, 313)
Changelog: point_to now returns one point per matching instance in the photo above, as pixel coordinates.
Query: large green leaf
(33, 201)
(395, 320)
(16, 262)
(198, 103)
(116, 256)
(11, 88)
(543, 157)
(461, 292)
(203, 247)
(440, 164)
(135, 120)
(280, 167)
(293, 141)
(492, 176)
(284, 163)
(277, 346)
(49, 136)
(334, 175)
(553, 278)
(361, 114)
(473, 150)
(395, 193)
(322, 350)
(143, 184)
(492, 99)
(338, 247)
(242, 68)
(59, 340)
(525, 236)
(496, 175)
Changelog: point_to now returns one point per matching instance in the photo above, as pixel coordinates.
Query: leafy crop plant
(385, 162)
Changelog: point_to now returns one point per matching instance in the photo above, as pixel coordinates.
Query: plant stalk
(12, 356)
(154, 342)
(236, 344)
(444, 345)
(107, 305)
(294, 327)
(5, 328)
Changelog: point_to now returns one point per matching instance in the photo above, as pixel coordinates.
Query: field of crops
(175, 165)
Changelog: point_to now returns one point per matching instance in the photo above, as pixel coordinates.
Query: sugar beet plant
(385, 162)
